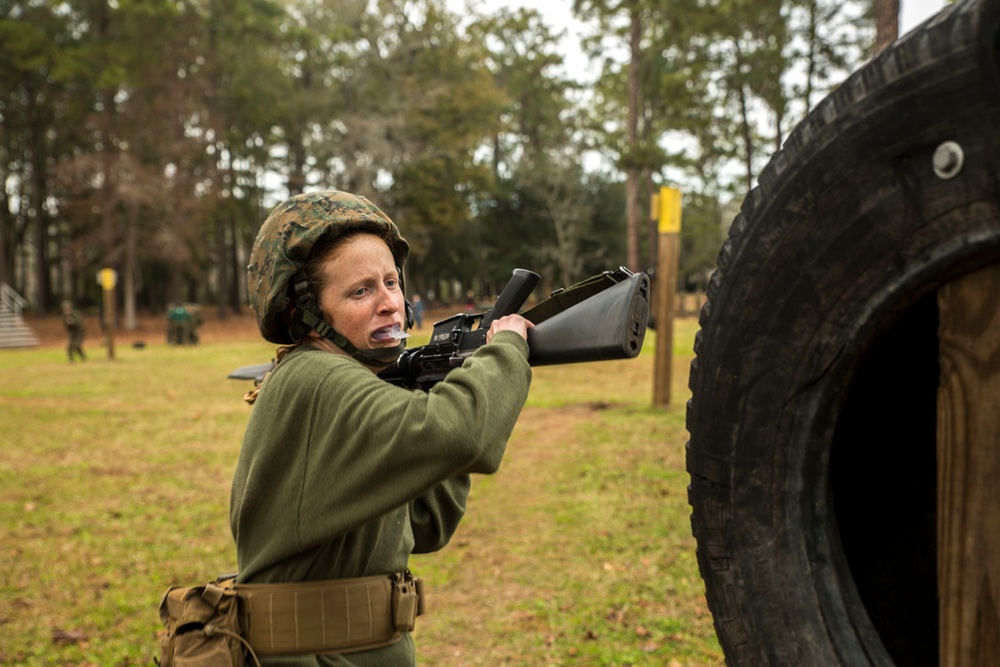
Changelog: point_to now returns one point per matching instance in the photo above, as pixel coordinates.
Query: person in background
(73, 323)
(177, 319)
(190, 330)
(418, 311)
(341, 475)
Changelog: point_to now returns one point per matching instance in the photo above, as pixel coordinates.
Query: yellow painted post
(669, 214)
(108, 278)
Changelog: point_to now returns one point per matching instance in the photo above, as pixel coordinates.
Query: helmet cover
(288, 235)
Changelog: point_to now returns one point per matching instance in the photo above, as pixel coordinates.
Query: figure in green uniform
(194, 321)
(341, 474)
(177, 321)
(73, 323)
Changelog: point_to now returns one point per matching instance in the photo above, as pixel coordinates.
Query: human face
(362, 298)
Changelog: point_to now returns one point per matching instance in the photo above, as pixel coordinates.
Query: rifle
(601, 318)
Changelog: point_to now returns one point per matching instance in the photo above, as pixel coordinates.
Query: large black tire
(812, 452)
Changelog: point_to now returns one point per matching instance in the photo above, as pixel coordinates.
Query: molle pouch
(202, 627)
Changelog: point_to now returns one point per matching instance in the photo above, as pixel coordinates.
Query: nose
(388, 299)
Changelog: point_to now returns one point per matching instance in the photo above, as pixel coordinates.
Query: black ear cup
(409, 315)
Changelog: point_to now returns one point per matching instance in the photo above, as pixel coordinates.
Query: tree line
(153, 136)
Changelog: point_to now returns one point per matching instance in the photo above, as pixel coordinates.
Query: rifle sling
(564, 299)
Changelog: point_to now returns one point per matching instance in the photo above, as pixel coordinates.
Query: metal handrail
(11, 301)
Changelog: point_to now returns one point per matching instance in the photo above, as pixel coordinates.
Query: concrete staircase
(14, 332)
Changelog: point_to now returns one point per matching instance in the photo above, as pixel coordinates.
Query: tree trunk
(746, 127)
(218, 170)
(886, 23)
(40, 300)
(811, 66)
(235, 267)
(7, 240)
(108, 240)
(652, 221)
(632, 205)
(129, 271)
(221, 265)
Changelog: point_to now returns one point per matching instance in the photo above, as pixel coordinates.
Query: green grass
(114, 485)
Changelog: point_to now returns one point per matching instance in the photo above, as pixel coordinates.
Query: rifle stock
(608, 325)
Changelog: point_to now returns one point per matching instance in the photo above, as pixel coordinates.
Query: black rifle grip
(513, 296)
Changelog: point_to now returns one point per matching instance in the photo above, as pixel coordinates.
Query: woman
(342, 475)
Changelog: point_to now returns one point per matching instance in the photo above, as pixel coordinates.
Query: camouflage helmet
(289, 234)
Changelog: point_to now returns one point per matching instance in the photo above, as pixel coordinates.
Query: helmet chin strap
(384, 356)
(308, 317)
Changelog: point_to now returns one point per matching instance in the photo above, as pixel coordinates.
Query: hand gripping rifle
(601, 318)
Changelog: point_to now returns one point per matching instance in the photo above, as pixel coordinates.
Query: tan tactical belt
(334, 616)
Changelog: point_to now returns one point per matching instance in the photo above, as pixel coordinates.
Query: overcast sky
(912, 12)
(558, 15)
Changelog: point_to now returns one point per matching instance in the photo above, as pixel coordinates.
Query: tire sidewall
(849, 228)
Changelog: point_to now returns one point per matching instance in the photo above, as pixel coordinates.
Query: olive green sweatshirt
(343, 475)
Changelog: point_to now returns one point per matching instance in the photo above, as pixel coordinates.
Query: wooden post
(108, 279)
(968, 444)
(669, 214)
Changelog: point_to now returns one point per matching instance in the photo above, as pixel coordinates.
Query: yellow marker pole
(668, 204)
(108, 278)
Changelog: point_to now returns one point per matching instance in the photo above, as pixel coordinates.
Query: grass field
(114, 485)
